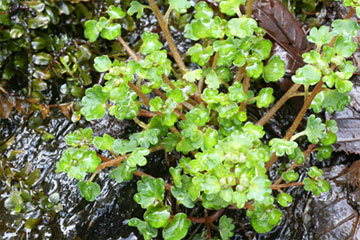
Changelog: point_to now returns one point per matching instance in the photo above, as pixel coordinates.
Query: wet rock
(349, 124)
(332, 215)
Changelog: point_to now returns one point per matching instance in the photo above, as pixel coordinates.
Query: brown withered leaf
(280, 23)
(33, 100)
(45, 109)
(21, 106)
(333, 214)
(284, 29)
(351, 175)
(6, 106)
(64, 108)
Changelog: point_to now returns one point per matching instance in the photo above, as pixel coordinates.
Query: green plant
(26, 201)
(35, 53)
(200, 112)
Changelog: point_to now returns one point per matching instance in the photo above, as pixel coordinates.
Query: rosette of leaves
(315, 183)
(107, 28)
(328, 62)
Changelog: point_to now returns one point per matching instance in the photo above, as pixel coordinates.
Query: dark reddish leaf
(280, 23)
(284, 29)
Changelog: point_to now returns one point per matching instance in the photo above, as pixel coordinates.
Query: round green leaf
(324, 152)
(307, 75)
(284, 199)
(290, 176)
(136, 7)
(123, 173)
(177, 228)
(241, 27)
(226, 228)
(42, 59)
(89, 190)
(111, 32)
(104, 143)
(274, 69)
(315, 172)
(93, 103)
(150, 191)
(157, 216)
(115, 12)
(91, 31)
(180, 5)
(143, 227)
(102, 63)
(265, 97)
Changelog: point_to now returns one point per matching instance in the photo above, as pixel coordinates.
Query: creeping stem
(278, 105)
(298, 119)
(139, 93)
(294, 165)
(128, 49)
(286, 185)
(246, 86)
(249, 8)
(167, 34)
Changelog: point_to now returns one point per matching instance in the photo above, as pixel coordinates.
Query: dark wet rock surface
(334, 215)
(349, 123)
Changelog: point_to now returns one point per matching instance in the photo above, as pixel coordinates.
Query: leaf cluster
(200, 113)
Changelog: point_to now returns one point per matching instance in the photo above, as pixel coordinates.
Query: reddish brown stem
(278, 105)
(303, 110)
(145, 113)
(169, 39)
(209, 219)
(111, 162)
(167, 81)
(297, 120)
(104, 159)
(294, 165)
(128, 49)
(245, 86)
(114, 162)
(286, 185)
(199, 99)
(139, 93)
(213, 65)
(158, 92)
(350, 13)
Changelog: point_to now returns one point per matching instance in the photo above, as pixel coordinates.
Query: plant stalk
(286, 185)
(249, 8)
(169, 39)
(296, 136)
(246, 86)
(278, 105)
(128, 49)
(297, 120)
(139, 93)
